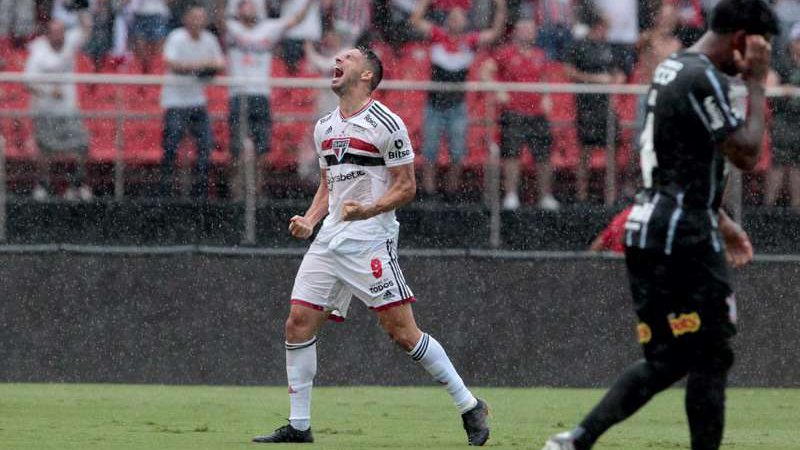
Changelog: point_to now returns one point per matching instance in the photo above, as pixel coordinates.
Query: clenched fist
(352, 210)
(300, 227)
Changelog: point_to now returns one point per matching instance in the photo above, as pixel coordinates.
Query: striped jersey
(689, 114)
(357, 152)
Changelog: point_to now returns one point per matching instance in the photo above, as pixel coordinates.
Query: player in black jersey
(677, 236)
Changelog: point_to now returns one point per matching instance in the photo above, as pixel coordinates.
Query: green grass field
(48, 416)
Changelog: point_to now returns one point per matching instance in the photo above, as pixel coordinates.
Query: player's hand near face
(738, 248)
(755, 63)
(300, 227)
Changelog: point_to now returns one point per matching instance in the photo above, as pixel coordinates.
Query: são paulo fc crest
(339, 147)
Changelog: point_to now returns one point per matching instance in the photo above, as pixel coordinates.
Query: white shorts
(331, 274)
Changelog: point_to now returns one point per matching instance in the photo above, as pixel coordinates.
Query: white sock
(431, 355)
(301, 366)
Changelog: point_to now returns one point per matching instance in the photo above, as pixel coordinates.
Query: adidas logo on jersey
(388, 295)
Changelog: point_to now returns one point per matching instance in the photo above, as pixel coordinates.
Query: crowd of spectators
(592, 41)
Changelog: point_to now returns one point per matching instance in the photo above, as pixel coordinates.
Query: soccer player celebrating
(366, 172)
(677, 235)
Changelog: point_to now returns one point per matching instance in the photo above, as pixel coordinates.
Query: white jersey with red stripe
(357, 152)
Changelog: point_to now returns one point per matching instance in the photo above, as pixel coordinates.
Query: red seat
(102, 139)
(142, 142)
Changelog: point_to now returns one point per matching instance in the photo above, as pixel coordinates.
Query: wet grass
(70, 416)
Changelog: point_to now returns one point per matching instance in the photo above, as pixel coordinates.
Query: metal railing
(493, 169)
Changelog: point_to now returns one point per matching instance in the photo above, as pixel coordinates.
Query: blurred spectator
(591, 60)
(17, 19)
(788, 12)
(785, 131)
(322, 62)
(232, 9)
(250, 42)
(452, 52)
(57, 123)
(622, 17)
(391, 21)
(439, 9)
(194, 54)
(657, 43)
(68, 12)
(351, 19)
(309, 29)
(448, 5)
(101, 39)
(523, 118)
(148, 29)
(691, 20)
(556, 18)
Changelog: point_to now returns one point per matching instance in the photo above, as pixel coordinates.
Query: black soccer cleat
(476, 424)
(286, 434)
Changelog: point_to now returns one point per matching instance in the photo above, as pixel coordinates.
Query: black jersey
(689, 113)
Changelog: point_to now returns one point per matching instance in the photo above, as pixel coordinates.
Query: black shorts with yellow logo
(684, 301)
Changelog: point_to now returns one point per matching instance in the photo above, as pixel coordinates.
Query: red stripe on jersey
(355, 143)
(363, 108)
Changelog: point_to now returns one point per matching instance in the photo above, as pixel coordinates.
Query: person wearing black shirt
(677, 236)
(591, 60)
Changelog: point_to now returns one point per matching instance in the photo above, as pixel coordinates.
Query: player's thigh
(317, 285)
(653, 301)
(372, 272)
(684, 303)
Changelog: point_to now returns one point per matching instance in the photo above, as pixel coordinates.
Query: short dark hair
(751, 16)
(375, 65)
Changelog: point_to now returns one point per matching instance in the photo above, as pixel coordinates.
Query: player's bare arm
(489, 35)
(302, 227)
(744, 147)
(402, 190)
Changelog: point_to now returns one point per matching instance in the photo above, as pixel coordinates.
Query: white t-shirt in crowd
(232, 9)
(311, 26)
(44, 59)
(150, 7)
(250, 53)
(181, 48)
(623, 20)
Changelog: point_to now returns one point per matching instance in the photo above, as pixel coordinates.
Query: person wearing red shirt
(452, 52)
(523, 120)
(610, 239)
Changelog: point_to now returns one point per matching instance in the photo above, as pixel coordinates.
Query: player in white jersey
(366, 172)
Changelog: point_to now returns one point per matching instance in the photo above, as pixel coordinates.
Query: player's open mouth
(337, 72)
